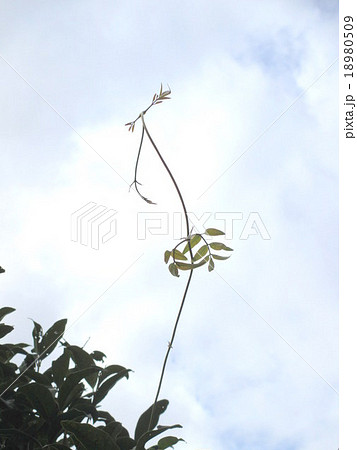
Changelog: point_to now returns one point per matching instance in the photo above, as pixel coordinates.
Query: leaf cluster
(157, 98)
(200, 257)
(59, 408)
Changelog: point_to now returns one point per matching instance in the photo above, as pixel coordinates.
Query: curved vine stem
(136, 182)
(191, 271)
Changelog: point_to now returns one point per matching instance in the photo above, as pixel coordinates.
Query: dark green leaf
(104, 416)
(21, 434)
(213, 232)
(103, 390)
(39, 378)
(98, 356)
(56, 447)
(82, 359)
(37, 335)
(168, 441)
(79, 412)
(114, 429)
(144, 421)
(89, 437)
(72, 383)
(5, 329)
(5, 311)
(60, 368)
(126, 443)
(51, 337)
(178, 255)
(112, 369)
(151, 434)
(41, 399)
(167, 256)
(173, 270)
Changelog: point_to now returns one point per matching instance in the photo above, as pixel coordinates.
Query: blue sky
(251, 128)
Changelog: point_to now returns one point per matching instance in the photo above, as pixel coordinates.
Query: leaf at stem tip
(213, 232)
(210, 265)
(167, 256)
(173, 270)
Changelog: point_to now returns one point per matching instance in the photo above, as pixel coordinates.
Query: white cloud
(234, 68)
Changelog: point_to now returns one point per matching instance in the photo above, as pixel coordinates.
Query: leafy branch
(202, 256)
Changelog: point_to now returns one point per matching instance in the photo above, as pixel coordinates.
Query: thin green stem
(169, 172)
(136, 182)
(190, 275)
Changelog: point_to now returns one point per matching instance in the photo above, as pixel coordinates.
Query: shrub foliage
(59, 408)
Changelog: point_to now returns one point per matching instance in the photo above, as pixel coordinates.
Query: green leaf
(151, 434)
(178, 255)
(201, 253)
(104, 416)
(39, 378)
(142, 426)
(211, 265)
(51, 337)
(126, 443)
(194, 240)
(103, 390)
(220, 246)
(167, 256)
(88, 437)
(168, 441)
(186, 266)
(82, 359)
(21, 434)
(5, 329)
(5, 311)
(80, 409)
(37, 335)
(8, 351)
(220, 257)
(114, 429)
(112, 369)
(40, 399)
(56, 446)
(71, 387)
(60, 368)
(213, 232)
(173, 270)
(98, 356)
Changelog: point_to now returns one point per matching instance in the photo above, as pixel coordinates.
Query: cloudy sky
(251, 136)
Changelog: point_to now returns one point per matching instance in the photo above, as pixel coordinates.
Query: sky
(250, 133)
